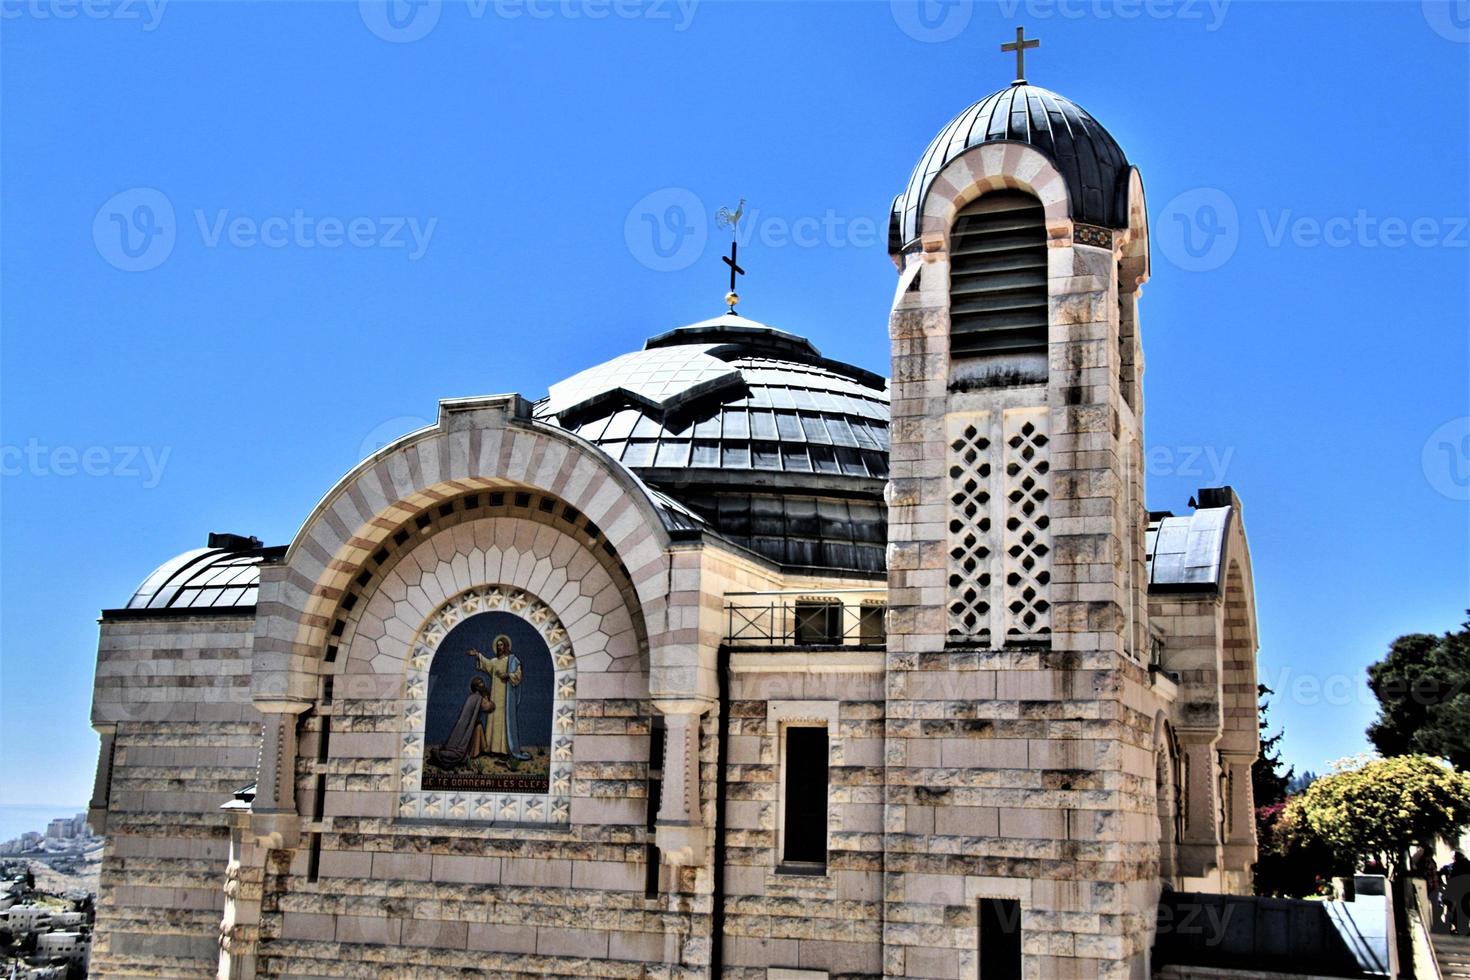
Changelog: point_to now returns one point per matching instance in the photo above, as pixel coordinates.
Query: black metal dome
(782, 450)
(1089, 159)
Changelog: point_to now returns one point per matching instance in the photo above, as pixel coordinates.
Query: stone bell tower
(1021, 710)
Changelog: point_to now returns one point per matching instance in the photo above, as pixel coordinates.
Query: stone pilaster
(1199, 849)
(274, 817)
(680, 827)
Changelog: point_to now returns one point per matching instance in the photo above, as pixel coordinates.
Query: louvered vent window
(997, 277)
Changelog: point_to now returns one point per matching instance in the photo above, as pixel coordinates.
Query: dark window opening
(319, 805)
(1000, 939)
(871, 628)
(997, 277)
(806, 797)
(818, 621)
(314, 858)
(655, 800)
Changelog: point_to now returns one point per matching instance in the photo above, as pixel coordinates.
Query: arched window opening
(997, 277)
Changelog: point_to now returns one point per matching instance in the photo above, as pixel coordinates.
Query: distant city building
(27, 917)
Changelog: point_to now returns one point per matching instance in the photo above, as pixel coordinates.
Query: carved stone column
(680, 832)
(274, 819)
(239, 931)
(1240, 839)
(1199, 849)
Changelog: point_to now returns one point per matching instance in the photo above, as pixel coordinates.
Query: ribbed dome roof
(781, 450)
(728, 398)
(1089, 159)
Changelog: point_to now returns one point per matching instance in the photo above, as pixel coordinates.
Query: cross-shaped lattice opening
(970, 542)
(1027, 540)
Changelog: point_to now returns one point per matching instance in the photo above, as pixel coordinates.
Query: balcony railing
(817, 618)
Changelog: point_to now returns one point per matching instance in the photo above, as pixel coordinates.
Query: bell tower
(1021, 710)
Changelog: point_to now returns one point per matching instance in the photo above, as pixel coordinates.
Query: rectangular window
(818, 621)
(1000, 939)
(804, 841)
(871, 629)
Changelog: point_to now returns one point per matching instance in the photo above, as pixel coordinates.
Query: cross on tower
(1019, 46)
(733, 297)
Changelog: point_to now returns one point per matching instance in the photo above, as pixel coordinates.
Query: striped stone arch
(478, 444)
(994, 166)
(1135, 261)
(1238, 645)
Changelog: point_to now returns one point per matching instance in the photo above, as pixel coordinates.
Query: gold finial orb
(731, 298)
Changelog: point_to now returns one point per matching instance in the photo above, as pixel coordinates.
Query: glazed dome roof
(1088, 158)
(732, 402)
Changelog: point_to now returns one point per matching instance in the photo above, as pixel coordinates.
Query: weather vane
(726, 218)
(1019, 46)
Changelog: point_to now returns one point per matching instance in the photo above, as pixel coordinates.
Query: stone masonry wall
(174, 694)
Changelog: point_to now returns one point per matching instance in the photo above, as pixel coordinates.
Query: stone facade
(1058, 710)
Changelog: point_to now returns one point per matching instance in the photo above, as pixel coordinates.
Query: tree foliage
(1268, 781)
(1292, 861)
(1379, 809)
(1423, 691)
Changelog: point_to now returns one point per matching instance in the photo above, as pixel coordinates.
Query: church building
(725, 658)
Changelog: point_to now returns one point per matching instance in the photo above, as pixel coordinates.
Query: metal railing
(818, 617)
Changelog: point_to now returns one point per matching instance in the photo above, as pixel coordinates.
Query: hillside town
(48, 891)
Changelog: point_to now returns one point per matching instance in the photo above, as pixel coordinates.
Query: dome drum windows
(998, 277)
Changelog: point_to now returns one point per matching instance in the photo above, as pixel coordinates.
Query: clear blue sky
(1300, 345)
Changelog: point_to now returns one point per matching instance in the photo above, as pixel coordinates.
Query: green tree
(1423, 691)
(1268, 782)
(1379, 809)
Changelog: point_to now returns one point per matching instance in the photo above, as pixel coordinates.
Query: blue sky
(335, 217)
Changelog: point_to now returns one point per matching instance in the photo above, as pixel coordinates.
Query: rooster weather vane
(726, 218)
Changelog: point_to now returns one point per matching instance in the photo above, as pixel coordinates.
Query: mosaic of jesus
(488, 726)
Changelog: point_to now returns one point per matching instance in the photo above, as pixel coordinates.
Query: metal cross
(730, 261)
(1019, 46)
